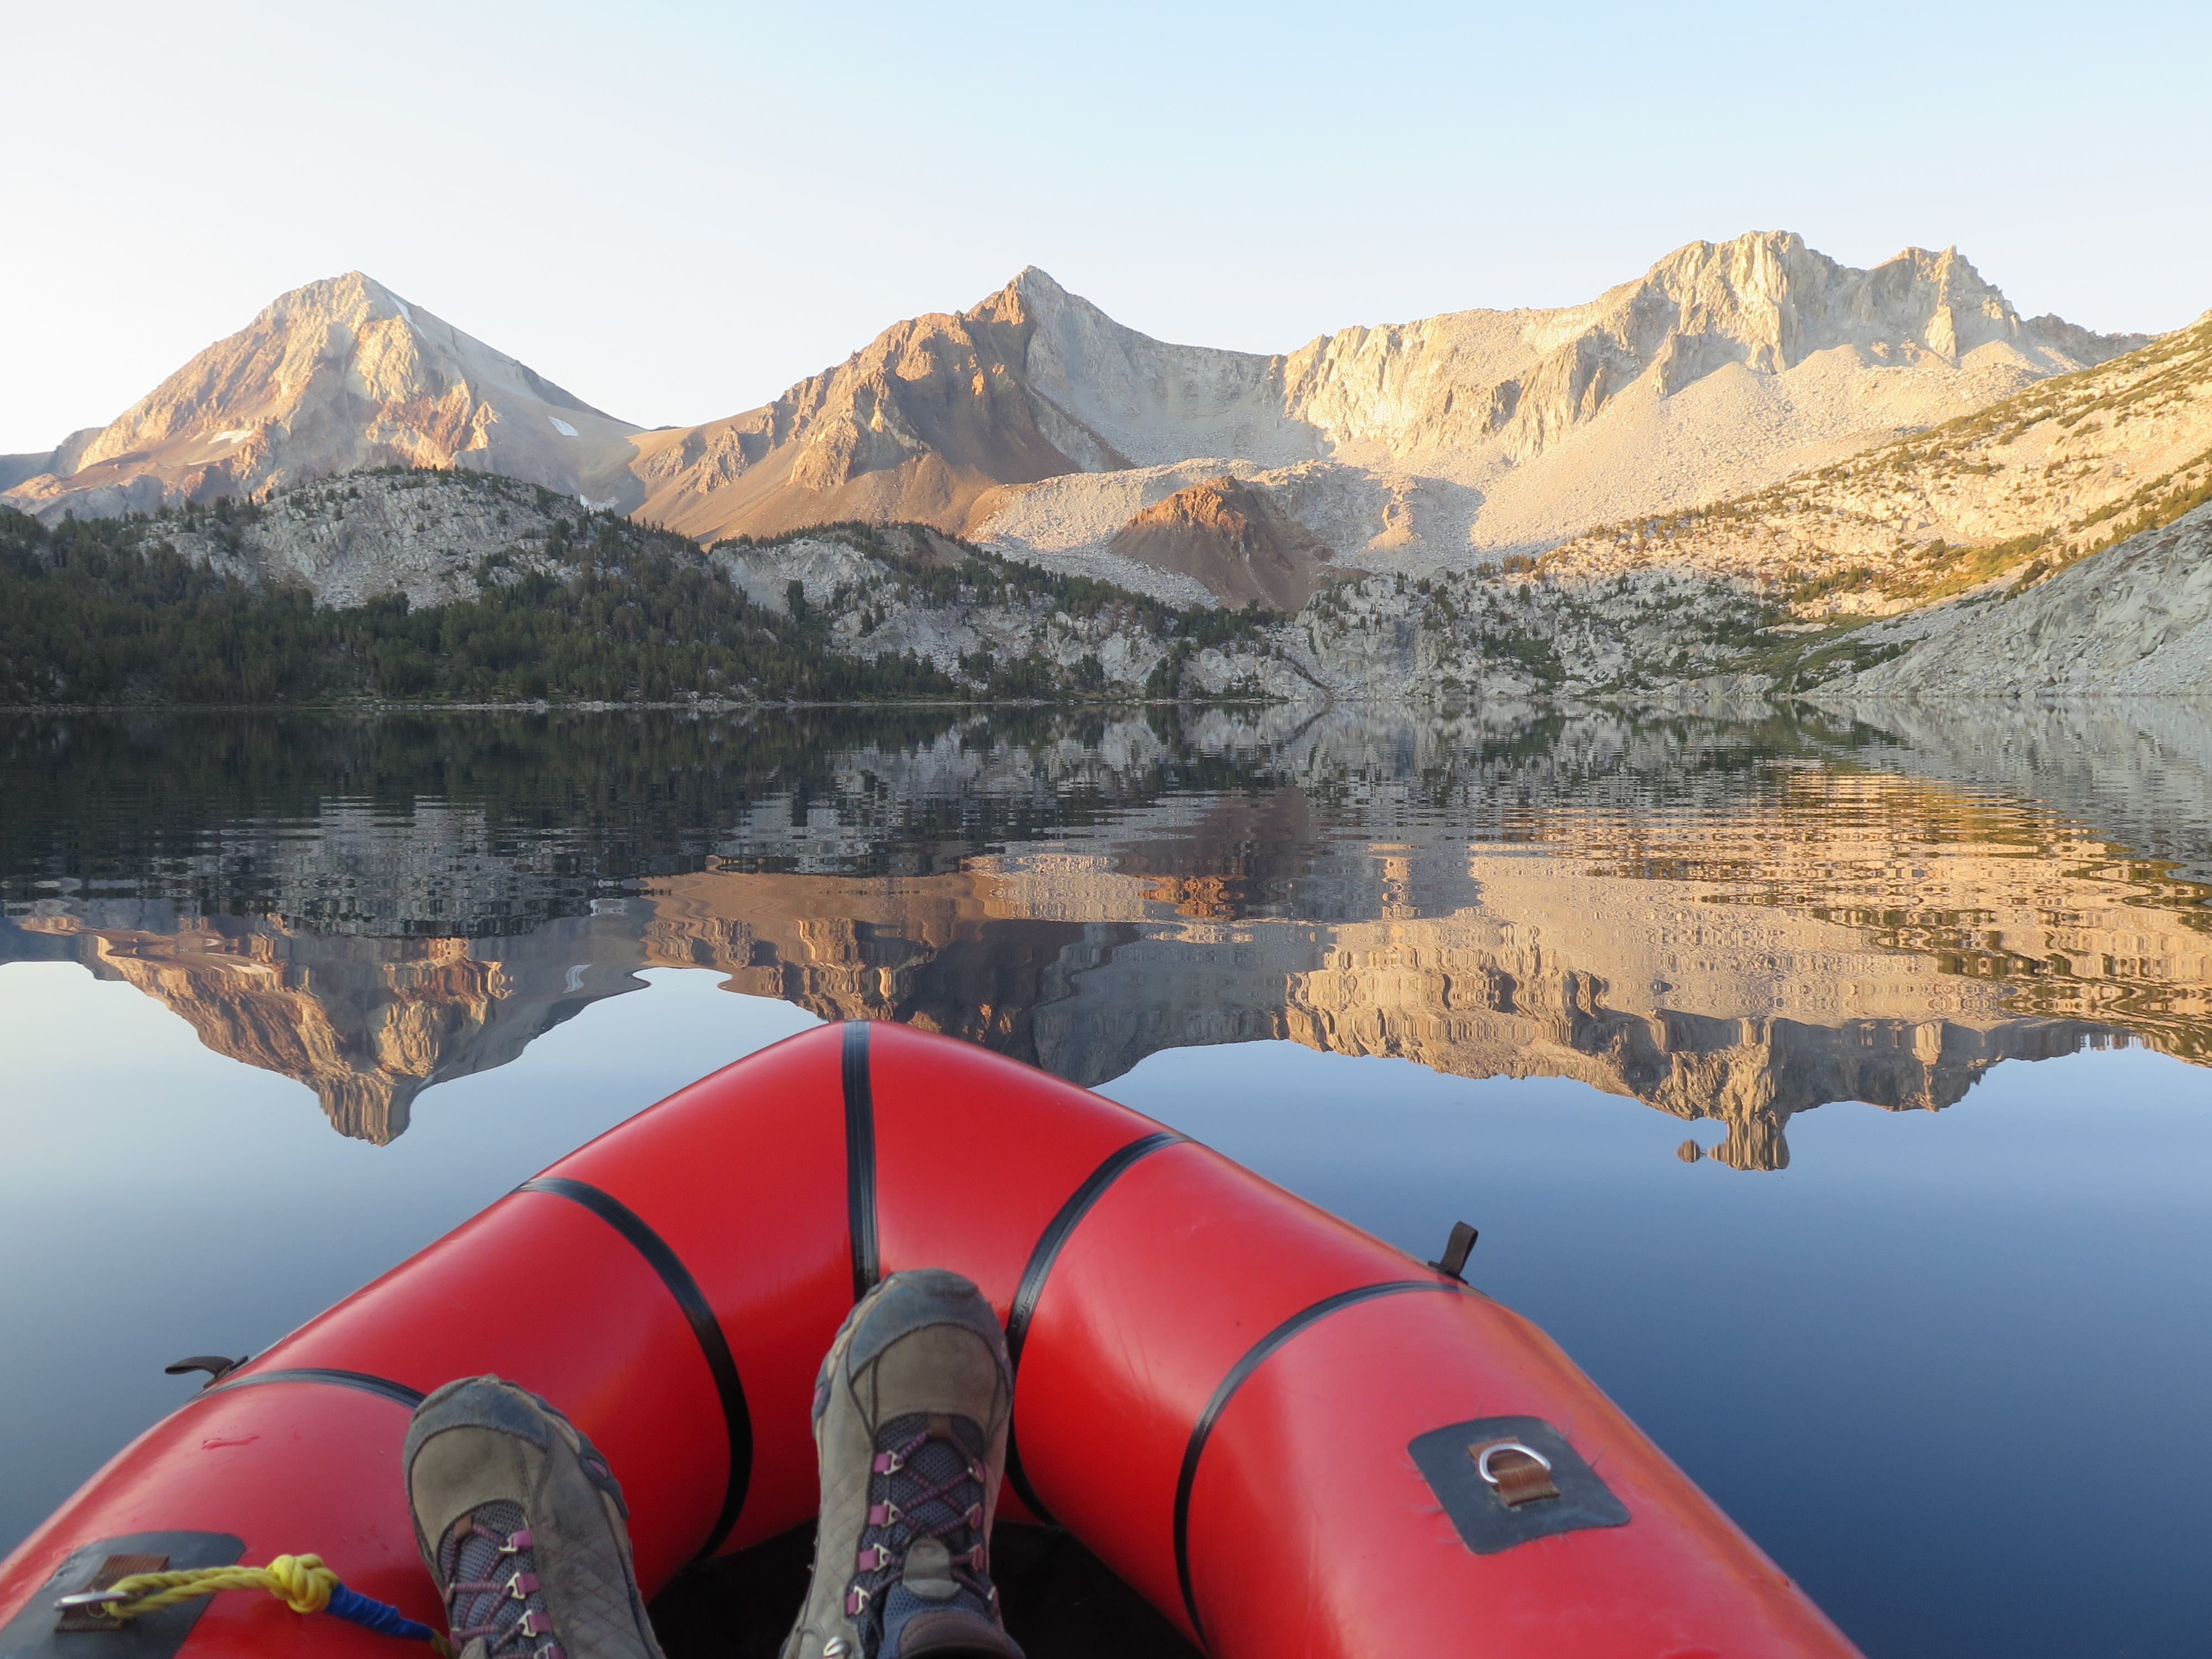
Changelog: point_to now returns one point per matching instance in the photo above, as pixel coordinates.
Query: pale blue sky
(676, 210)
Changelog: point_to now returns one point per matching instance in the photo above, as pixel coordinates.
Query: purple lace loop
(492, 1588)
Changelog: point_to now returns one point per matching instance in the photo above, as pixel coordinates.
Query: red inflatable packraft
(1289, 1437)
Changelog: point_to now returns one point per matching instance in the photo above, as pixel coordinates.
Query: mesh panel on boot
(490, 1585)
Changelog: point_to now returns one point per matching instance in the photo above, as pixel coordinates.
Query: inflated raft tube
(1291, 1437)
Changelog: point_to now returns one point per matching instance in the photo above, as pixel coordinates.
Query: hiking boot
(910, 1414)
(520, 1522)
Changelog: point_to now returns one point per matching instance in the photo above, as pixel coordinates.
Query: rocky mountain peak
(1036, 405)
(353, 297)
(1777, 302)
(334, 375)
(1035, 282)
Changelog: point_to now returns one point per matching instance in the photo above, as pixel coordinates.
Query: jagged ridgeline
(2072, 515)
(411, 584)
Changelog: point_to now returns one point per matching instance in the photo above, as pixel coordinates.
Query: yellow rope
(301, 1583)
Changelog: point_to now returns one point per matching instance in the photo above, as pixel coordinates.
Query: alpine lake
(1834, 1088)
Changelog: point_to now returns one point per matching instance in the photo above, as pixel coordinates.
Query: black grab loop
(698, 1313)
(1457, 1248)
(218, 1366)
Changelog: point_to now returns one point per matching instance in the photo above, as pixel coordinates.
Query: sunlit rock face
(2134, 621)
(1035, 422)
(337, 375)
(1415, 447)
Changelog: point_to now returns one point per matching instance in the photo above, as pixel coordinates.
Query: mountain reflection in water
(1734, 921)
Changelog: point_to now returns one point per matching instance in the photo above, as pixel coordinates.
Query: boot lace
(927, 1481)
(489, 1568)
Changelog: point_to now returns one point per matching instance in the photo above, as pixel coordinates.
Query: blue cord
(371, 1614)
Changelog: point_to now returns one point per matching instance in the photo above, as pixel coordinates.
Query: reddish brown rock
(1236, 541)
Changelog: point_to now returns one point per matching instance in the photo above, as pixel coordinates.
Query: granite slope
(2134, 621)
(2005, 496)
(1423, 447)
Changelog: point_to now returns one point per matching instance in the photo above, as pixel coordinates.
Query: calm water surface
(1833, 1090)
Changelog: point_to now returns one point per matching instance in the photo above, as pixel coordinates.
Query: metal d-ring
(1482, 1463)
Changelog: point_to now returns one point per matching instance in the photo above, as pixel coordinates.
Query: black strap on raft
(860, 1160)
(690, 1300)
(1049, 1244)
(1055, 1238)
(1238, 1375)
(699, 1314)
